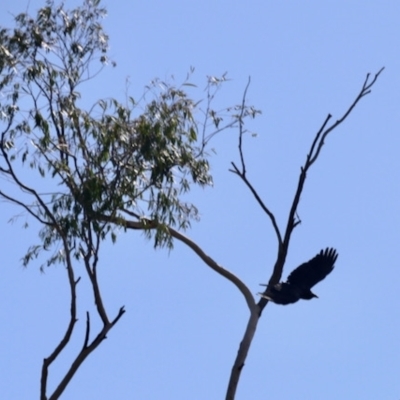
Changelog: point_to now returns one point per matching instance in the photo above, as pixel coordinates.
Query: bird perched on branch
(302, 279)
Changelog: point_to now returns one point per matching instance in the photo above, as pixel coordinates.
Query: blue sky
(183, 324)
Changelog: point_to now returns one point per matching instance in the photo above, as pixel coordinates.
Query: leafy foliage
(112, 159)
(80, 172)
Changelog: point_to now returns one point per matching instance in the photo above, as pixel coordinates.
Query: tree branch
(91, 271)
(84, 353)
(242, 355)
(72, 320)
(366, 89)
(312, 156)
(24, 206)
(242, 173)
(259, 201)
(241, 131)
(217, 268)
(291, 224)
(138, 225)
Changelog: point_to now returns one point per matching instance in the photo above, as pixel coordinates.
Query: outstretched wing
(310, 273)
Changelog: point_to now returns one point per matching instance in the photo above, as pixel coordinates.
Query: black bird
(302, 279)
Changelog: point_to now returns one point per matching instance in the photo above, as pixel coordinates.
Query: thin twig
(317, 136)
(242, 173)
(87, 333)
(259, 201)
(241, 132)
(363, 92)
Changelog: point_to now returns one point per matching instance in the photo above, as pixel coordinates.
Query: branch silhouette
(292, 222)
(146, 224)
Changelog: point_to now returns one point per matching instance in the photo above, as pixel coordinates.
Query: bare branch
(87, 333)
(312, 156)
(241, 131)
(87, 348)
(217, 268)
(137, 225)
(259, 200)
(284, 245)
(91, 271)
(245, 111)
(84, 353)
(242, 173)
(317, 136)
(72, 320)
(364, 91)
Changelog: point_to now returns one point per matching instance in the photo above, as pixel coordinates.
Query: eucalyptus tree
(115, 165)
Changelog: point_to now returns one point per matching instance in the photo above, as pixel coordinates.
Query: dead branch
(283, 246)
(242, 175)
(242, 172)
(312, 156)
(83, 354)
(241, 125)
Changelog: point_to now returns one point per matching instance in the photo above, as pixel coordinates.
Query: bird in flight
(300, 281)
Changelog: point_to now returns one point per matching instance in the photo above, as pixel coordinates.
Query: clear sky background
(181, 332)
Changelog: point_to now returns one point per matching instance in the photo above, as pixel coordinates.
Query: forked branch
(71, 324)
(292, 222)
(242, 171)
(323, 133)
(84, 353)
(312, 156)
